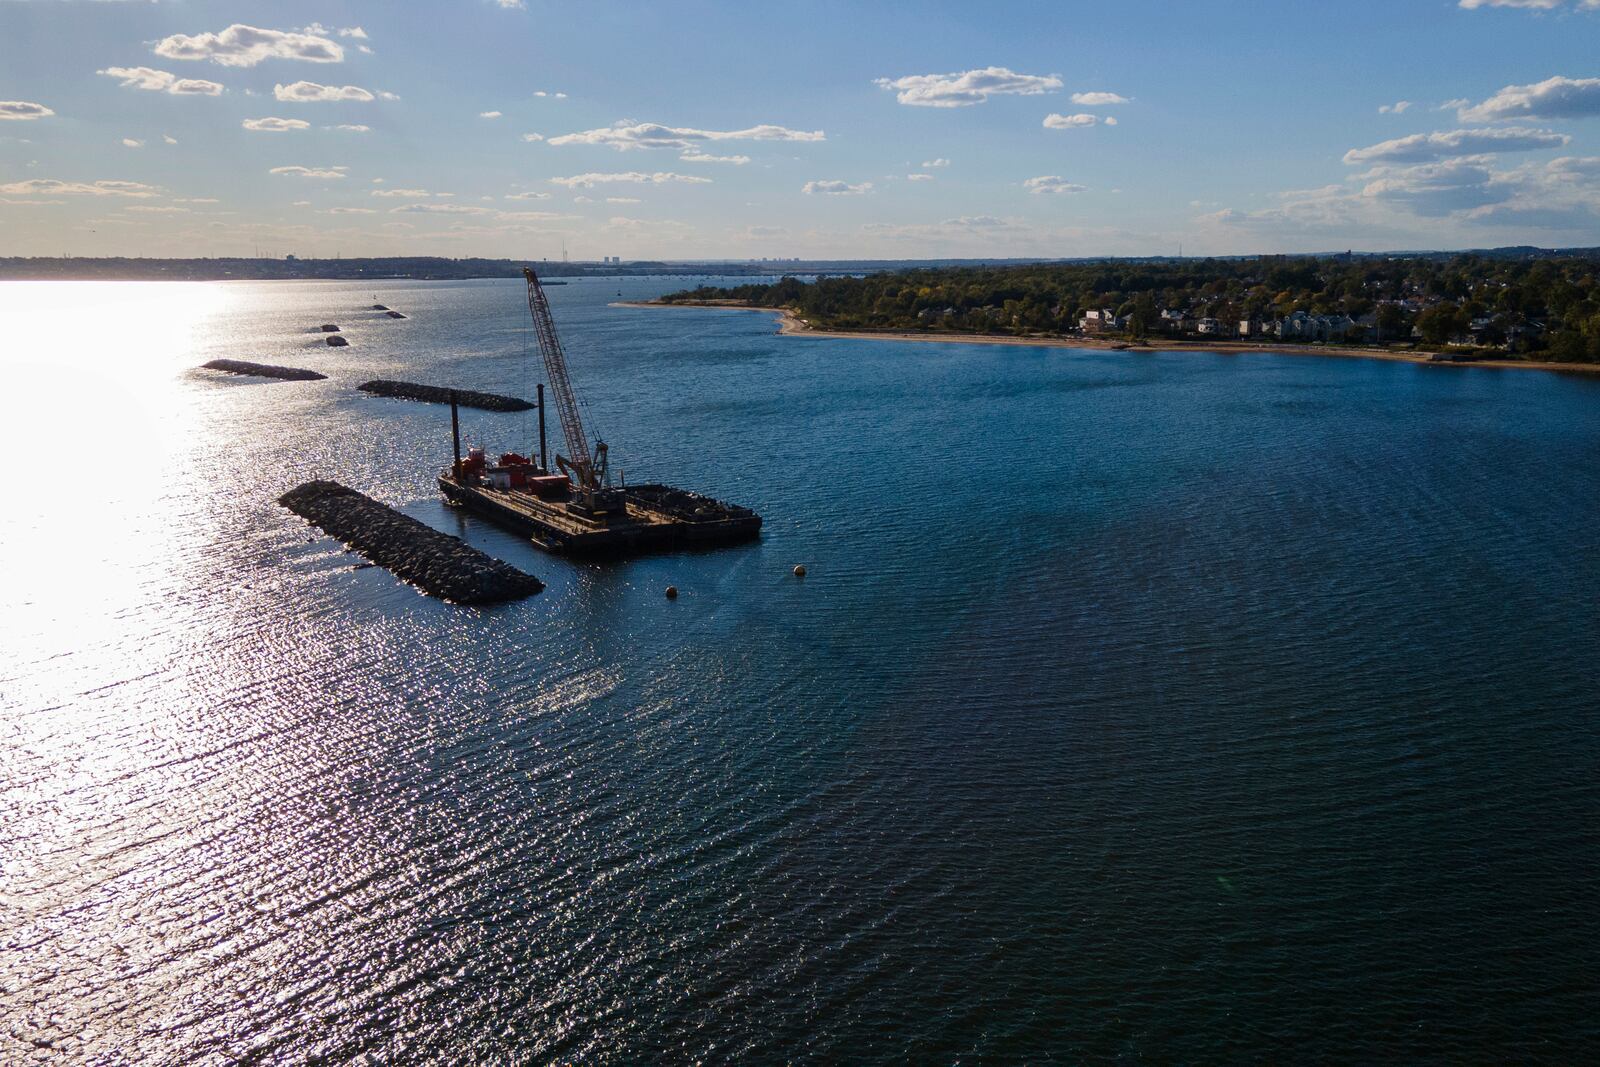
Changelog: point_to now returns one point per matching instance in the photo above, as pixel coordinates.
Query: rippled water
(1161, 707)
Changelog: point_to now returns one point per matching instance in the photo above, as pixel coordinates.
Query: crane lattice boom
(555, 365)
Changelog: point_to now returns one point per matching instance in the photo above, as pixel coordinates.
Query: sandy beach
(791, 324)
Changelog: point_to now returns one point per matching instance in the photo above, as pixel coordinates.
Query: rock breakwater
(436, 394)
(264, 370)
(434, 562)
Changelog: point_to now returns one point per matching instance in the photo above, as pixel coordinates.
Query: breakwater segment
(264, 370)
(435, 394)
(414, 552)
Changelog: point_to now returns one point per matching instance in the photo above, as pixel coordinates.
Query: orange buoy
(799, 570)
(672, 592)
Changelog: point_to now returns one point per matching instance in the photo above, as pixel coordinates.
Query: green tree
(1440, 323)
(1391, 323)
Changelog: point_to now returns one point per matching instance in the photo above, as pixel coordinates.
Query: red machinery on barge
(575, 508)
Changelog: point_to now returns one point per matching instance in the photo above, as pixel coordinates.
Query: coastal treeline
(1540, 306)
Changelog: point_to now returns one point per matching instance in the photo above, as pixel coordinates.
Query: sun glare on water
(96, 423)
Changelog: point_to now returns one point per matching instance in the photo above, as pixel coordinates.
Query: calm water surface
(1136, 707)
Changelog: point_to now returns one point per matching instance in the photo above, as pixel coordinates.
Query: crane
(588, 470)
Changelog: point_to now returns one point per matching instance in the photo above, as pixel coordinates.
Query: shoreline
(791, 324)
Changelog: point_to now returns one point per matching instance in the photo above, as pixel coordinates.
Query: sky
(744, 130)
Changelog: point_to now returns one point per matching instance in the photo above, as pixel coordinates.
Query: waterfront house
(1335, 327)
(1099, 320)
(1296, 326)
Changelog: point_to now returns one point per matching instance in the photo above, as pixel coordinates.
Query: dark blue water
(1135, 707)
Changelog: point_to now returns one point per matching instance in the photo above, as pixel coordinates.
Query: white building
(1099, 320)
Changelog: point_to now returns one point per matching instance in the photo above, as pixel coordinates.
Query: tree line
(1546, 306)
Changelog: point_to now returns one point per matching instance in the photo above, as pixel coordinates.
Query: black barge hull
(660, 518)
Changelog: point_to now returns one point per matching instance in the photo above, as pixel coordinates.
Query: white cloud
(1537, 5)
(1052, 183)
(1079, 121)
(533, 138)
(1097, 99)
(965, 226)
(623, 200)
(245, 46)
(964, 88)
(275, 125)
(404, 194)
(586, 181)
(1329, 210)
(705, 157)
(354, 31)
(52, 187)
(1434, 189)
(919, 177)
(129, 142)
(1399, 107)
(626, 135)
(930, 164)
(304, 92)
(23, 110)
(1574, 167)
(169, 139)
(351, 127)
(310, 172)
(161, 81)
(1426, 147)
(1553, 98)
(1559, 194)
(531, 216)
(665, 229)
(439, 209)
(351, 211)
(527, 196)
(488, 114)
(549, 95)
(836, 188)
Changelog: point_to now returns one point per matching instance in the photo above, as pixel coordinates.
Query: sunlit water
(1163, 707)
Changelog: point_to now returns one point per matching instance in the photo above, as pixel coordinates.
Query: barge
(525, 499)
(570, 506)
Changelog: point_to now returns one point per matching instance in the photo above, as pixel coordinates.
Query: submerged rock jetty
(436, 563)
(436, 394)
(264, 370)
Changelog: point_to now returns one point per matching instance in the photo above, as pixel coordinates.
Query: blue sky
(697, 129)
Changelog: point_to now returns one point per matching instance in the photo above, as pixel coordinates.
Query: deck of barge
(658, 518)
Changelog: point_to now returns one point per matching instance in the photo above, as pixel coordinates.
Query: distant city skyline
(514, 129)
